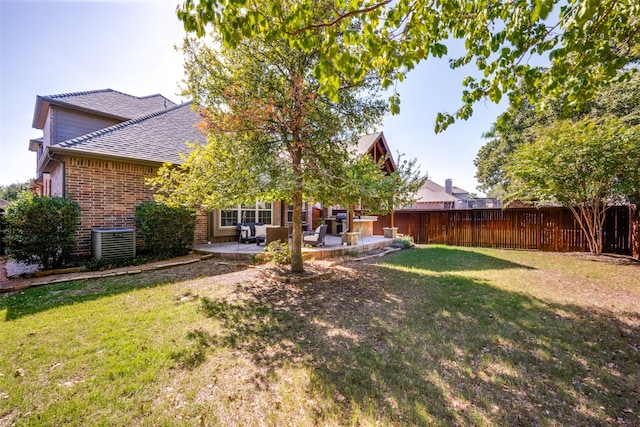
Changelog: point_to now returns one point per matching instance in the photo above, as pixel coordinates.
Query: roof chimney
(448, 186)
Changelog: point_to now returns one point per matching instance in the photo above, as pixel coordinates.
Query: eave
(101, 156)
(34, 144)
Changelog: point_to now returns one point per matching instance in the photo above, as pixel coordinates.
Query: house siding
(71, 124)
(46, 131)
(108, 193)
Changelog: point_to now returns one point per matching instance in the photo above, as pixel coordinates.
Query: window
(290, 212)
(228, 218)
(264, 212)
(256, 212)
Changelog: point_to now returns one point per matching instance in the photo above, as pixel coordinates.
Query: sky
(53, 47)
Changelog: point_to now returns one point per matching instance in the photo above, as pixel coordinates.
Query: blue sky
(52, 47)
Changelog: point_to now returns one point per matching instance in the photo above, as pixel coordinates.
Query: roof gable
(376, 145)
(106, 102)
(158, 137)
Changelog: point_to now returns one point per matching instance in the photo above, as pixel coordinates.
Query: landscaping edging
(28, 283)
(96, 275)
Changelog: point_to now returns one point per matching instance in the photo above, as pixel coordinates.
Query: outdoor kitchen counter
(364, 225)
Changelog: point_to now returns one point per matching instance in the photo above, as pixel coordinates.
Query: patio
(333, 248)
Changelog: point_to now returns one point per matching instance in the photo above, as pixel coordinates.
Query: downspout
(64, 172)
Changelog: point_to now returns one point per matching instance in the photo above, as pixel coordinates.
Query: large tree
(583, 43)
(586, 165)
(271, 134)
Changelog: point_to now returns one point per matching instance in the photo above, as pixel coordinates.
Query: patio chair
(315, 238)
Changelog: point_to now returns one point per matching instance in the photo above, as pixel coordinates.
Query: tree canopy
(271, 133)
(520, 125)
(583, 44)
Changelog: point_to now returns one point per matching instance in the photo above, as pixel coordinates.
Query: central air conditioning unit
(113, 243)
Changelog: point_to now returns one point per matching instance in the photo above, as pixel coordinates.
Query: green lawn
(430, 336)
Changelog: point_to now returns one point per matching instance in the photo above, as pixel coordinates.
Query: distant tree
(585, 165)
(587, 42)
(403, 186)
(271, 134)
(11, 191)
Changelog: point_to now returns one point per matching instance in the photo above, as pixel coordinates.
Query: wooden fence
(2, 244)
(546, 229)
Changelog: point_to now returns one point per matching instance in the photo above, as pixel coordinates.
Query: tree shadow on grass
(450, 259)
(400, 348)
(38, 299)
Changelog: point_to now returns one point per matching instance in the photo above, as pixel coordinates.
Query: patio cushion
(261, 230)
(246, 231)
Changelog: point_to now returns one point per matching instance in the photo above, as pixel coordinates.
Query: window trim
(243, 207)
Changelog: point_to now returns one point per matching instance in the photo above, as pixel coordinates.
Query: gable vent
(113, 243)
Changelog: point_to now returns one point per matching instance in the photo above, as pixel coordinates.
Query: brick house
(98, 147)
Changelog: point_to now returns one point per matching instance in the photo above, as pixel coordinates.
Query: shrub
(41, 230)
(166, 230)
(278, 252)
(404, 242)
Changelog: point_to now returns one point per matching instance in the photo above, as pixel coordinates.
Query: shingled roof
(106, 102)
(157, 137)
(432, 192)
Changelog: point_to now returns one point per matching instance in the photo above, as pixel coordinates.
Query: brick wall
(108, 193)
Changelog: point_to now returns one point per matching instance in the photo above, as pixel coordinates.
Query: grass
(430, 336)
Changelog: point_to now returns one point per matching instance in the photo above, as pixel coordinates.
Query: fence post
(634, 230)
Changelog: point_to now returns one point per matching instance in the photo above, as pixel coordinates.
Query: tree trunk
(297, 265)
(591, 220)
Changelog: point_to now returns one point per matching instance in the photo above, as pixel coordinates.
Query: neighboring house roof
(106, 102)
(458, 190)
(432, 192)
(158, 137)
(3, 204)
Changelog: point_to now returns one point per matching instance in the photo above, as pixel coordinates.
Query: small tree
(166, 230)
(41, 230)
(585, 165)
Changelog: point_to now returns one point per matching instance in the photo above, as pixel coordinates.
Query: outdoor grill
(340, 218)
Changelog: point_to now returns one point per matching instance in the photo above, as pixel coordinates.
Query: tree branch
(340, 18)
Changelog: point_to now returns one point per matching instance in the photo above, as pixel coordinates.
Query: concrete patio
(333, 248)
